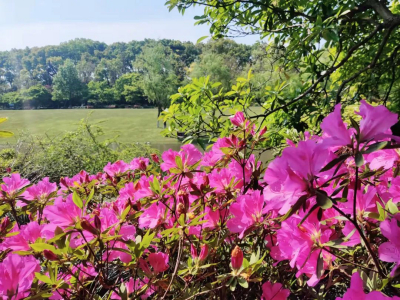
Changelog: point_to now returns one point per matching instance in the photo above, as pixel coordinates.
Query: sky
(30, 23)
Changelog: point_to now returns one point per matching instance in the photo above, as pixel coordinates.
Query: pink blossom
(28, 235)
(376, 121)
(238, 119)
(16, 274)
(366, 202)
(40, 192)
(152, 216)
(132, 286)
(274, 291)
(223, 181)
(210, 158)
(159, 261)
(356, 291)
(247, 211)
(189, 156)
(139, 163)
(390, 251)
(116, 169)
(296, 244)
(394, 189)
(13, 184)
(335, 130)
(63, 213)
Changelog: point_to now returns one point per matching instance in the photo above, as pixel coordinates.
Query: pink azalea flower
(376, 121)
(213, 156)
(40, 192)
(394, 189)
(28, 235)
(116, 169)
(223, 181)
(238, 119)
(188, 154)
(13, 184)
(382, 159)
(132, 286)
(335, 130)
(247, 211)
(296, 244)
(143, 188)
(152, 216)
(127, 193)
(356, 291)
(63, 213)
(159, 261)
(366, 202)
(274, 291)
(139, 163)
(390, 251)
(16, 274)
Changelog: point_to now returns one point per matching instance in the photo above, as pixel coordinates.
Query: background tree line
(86, 72)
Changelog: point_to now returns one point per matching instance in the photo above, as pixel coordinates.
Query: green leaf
(355, 125)
(320, 265)
(359, 159)
(334, 162)
(4, 133)
(391, 207)
(201, 39)
(295, 207)
(323, 200)
(376, 147)
(243, 283)
(178, 161)
(77, 200)
(40, 247)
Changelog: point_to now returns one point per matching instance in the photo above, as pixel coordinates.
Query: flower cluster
(321, 221)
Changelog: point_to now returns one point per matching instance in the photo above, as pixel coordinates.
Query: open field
(132, 125)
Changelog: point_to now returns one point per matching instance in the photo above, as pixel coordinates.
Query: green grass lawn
(132, 125)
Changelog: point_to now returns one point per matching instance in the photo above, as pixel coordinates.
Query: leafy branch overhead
(342, 50)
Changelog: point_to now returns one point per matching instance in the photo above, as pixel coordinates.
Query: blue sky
(50, 22)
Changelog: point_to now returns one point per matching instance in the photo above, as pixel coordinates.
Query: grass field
(132, 125)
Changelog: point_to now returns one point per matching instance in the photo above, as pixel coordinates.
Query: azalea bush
(321, 221)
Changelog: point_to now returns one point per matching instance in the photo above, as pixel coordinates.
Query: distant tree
(100, 93)
(212, 65)
(109, 70)
(86, 67)
(159, 80)
(37, 95)
(128, 88)
(66, 83)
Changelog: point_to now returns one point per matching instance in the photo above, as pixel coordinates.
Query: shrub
(217, 225)
(38, 157)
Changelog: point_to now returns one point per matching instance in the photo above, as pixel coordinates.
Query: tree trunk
(158, 115)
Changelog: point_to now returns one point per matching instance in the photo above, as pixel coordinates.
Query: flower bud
(85, 224)
(97, 222)
(180, 208)
(193, 251)
(262, 131)
(203, 252)
(8, 170)
(49, 255)
(142, 166)
(4, 224)
(155, 158)
(237, 258)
